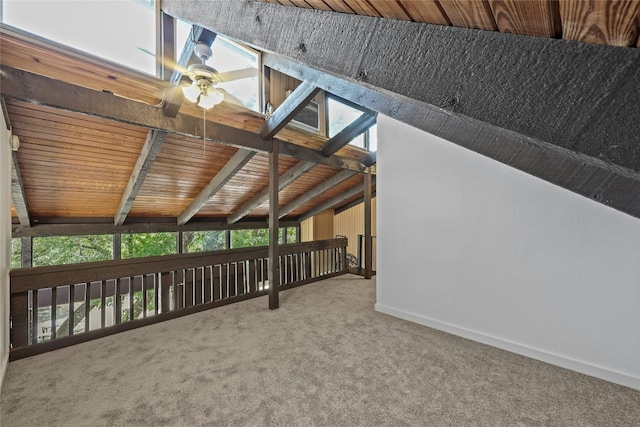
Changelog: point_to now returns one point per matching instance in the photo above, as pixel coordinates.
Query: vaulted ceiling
(560, 105)
(96, 145)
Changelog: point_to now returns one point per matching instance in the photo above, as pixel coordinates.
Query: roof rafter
(148, 154)
(29, 87)
(288, 109)
(227, 172)
(17, 192)
(316, 191)
(335, 200)
(287, 178)
(346, 135)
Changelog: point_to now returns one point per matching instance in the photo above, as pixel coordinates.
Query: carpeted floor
(325, 358)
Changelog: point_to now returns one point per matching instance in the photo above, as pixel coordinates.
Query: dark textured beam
(316, 191)
(29, 87)
(288, 109)
(141, 225)
(347, 134)
(17, 192)
(333, 202)
(217, 182)
(568, 123)
(287, 178)
(173, 97)
(147, 156)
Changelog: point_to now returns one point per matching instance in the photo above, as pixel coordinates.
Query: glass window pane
(71, 249)
(121, 31)
(229, 56)
(148, 244)
(373, 138)
(246, 238)
(340, 116)
(202, 241)
(16, 253)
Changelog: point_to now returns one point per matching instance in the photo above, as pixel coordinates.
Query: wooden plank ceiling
(610, 22)
(76, 167)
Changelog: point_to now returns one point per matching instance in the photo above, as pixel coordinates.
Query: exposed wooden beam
(166, 47)
(29, 87)
(346, 135)
(17, 192)
(173, 97)
(316, 191)
(217, 182)
(287, 178)
(141, 225)
(288, 109)
(511, 108)
(334, 201)
(351, 204)
(274, 228)
(147, 155)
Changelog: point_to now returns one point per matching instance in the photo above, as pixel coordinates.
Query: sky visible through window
(122, 31)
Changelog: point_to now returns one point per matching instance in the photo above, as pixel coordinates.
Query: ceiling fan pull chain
(204, 132)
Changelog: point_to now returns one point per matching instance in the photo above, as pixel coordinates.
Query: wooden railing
(54, 307)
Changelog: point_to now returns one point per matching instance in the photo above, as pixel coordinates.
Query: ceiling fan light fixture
(210, 97)
(191, 92)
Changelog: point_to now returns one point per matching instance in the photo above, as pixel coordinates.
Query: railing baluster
(54, 307)
(20, 319)
(207, 283)
(144, 295)
(118, 301)
(103, 303)
(156, 290)
(72, 310)
(35, 305)
(87, 305)
(166, 282)
(131, 299)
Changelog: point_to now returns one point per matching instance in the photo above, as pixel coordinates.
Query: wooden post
(274, 265)
(117, 246)
(368, 250)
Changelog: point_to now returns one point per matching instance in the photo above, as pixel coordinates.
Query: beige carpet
(325, 358)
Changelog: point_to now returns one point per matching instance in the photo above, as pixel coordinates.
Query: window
(16, 252)
(202, 241)
(148, 244)
(260, 237)
(60, 250)
(340, 114)
(229, 56)
(121, 31)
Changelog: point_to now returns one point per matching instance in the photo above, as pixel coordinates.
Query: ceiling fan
(205, 78)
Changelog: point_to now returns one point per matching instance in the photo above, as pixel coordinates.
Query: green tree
(59, 250)
(16, 253)
(201, 241)
(148, 244)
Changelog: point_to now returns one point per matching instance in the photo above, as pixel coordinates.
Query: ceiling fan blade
(230, 98)
(236, 74)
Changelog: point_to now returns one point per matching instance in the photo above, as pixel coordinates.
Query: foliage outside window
(202, 241)
(147, 244)
(16, 253)
(60, 250)
(122, 31)
(260, 237)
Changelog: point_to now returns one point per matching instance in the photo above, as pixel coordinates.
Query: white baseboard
(545, 356)
(4, 366)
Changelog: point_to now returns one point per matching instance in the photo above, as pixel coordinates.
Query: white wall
(479, 249)
(5, 244)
